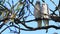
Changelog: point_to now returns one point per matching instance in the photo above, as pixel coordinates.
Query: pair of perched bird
(41, 11)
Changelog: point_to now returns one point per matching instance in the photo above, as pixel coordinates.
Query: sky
(34, 23)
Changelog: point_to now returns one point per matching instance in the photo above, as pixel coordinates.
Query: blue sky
(34, 23)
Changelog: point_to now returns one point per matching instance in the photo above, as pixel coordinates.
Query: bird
(37, 14)
(45, 12)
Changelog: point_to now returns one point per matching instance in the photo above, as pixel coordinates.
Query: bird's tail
(39, 23)
(46, 22)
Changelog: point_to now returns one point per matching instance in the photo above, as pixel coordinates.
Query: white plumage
(37, 14)
(45, 12)
(40, 11)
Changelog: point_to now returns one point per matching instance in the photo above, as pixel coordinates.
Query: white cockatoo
(45, 12)
(37, 12)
